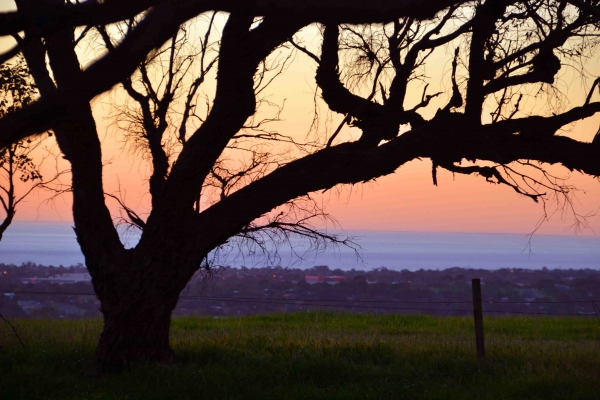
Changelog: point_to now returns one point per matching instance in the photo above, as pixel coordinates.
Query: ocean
(54, 243)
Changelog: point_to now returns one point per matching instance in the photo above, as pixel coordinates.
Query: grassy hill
(318, 356)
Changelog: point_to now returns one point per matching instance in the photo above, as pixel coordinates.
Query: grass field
(318, 356)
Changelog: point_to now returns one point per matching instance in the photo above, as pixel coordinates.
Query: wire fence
(376, 304)
(399, 305)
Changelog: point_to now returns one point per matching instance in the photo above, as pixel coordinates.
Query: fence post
(478, 316)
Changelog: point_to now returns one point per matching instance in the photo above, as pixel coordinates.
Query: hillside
(34, 291)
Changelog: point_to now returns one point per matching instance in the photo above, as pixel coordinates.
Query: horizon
(54, 243)
(567, 232)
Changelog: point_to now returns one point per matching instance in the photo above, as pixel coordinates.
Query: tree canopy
(16, 160)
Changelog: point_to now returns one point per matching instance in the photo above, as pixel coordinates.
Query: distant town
(36, 291)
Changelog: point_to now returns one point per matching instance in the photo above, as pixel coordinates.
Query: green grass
(318, 356)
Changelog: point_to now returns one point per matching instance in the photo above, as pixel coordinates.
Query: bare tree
(498, 50)
(163, 102)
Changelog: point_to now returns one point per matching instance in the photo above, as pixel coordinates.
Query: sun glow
(406, 200)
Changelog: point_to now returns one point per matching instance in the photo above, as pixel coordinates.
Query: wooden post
(478, 316)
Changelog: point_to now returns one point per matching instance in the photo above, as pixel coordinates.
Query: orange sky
(406, 200)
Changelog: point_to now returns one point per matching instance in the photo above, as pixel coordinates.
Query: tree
(500, 51)
(16, 90)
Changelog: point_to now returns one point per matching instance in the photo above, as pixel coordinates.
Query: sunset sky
(406, 200)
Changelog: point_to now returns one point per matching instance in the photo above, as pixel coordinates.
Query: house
(69, 309)
(75, 277)
(531, 294)
(312, 279)
(335, 279)
(29, 305)
(331, 280)
(61, 279)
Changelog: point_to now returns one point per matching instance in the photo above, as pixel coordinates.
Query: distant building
(312, 279)
(76, 277)
(331, 280)
(334, 280)
(69, 309)
(61, 279)
(29, 305)
(531, 294)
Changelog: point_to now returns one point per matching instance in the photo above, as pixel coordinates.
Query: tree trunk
(7, 221)
(136, 331)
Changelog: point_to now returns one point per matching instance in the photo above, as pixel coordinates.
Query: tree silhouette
(16, 163)
(500, 51)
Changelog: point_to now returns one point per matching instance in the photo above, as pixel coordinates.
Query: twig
(589, 96)
(14, 330)
(596, 308)
(305, 51)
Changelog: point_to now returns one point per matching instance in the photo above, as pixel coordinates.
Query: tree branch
(350, 163)
(157, 27)
(337, 97)
(241, 52)
(490, 173)
(94, 12)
